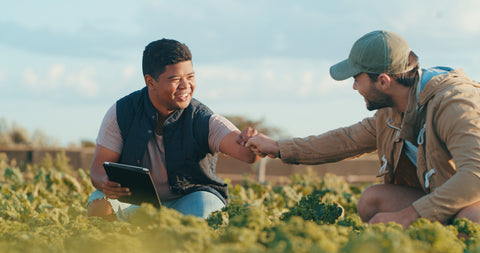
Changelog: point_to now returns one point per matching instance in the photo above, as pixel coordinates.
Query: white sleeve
(219, 127)
(109, 134)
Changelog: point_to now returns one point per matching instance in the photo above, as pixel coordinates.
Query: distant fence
(356, 170)
(79, 157)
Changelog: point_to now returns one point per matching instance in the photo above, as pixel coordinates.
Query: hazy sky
(64, 63)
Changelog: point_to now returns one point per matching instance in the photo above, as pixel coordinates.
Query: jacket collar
(439, 82)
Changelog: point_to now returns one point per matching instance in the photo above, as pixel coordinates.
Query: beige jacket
(445, 124)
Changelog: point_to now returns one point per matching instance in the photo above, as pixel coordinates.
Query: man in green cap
(426, 131)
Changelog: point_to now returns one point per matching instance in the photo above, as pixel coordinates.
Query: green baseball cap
(376, 52)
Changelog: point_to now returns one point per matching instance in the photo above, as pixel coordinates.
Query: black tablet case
(137, 179)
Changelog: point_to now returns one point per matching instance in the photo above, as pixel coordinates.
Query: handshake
(258, 143)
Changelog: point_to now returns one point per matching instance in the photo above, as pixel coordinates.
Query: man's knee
(471, 212)
(199, 203)
(386, 198)
(367, 205)
(101, 208)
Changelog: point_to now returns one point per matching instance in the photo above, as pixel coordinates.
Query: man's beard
(377, 100)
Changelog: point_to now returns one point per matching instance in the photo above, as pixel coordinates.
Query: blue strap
(428, 74)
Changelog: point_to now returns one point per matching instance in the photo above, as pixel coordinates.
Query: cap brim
(343, 70)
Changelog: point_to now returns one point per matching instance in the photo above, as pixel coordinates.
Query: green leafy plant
(42, 209)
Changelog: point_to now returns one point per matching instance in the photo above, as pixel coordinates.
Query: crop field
(42, 209)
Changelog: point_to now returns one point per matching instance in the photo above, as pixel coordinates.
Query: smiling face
(173, 89)
(374, 98)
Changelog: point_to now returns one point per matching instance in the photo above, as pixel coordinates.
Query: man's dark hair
(161, 53)
(406, 79)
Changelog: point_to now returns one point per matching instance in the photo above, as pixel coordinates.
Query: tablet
(137, 179)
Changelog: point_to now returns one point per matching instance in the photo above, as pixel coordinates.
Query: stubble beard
(378, 100)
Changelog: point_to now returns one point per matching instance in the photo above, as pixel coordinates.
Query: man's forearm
(97, 177)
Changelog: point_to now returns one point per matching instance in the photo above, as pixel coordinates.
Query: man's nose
(183, 83)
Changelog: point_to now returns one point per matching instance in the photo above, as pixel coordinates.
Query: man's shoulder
(199, 108)
(453, 86)
(132, 97)
(129, 106)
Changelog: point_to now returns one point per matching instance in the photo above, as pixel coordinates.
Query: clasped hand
(258, 143)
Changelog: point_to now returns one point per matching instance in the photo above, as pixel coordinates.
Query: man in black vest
(161, 127)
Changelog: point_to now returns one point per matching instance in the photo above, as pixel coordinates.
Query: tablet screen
(137, 179)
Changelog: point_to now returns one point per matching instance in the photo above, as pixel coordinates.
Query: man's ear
(385, 81)
(149, 80)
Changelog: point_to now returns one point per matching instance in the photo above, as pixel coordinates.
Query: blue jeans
(200, 204)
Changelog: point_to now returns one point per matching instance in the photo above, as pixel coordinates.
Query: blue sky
(64, 63)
